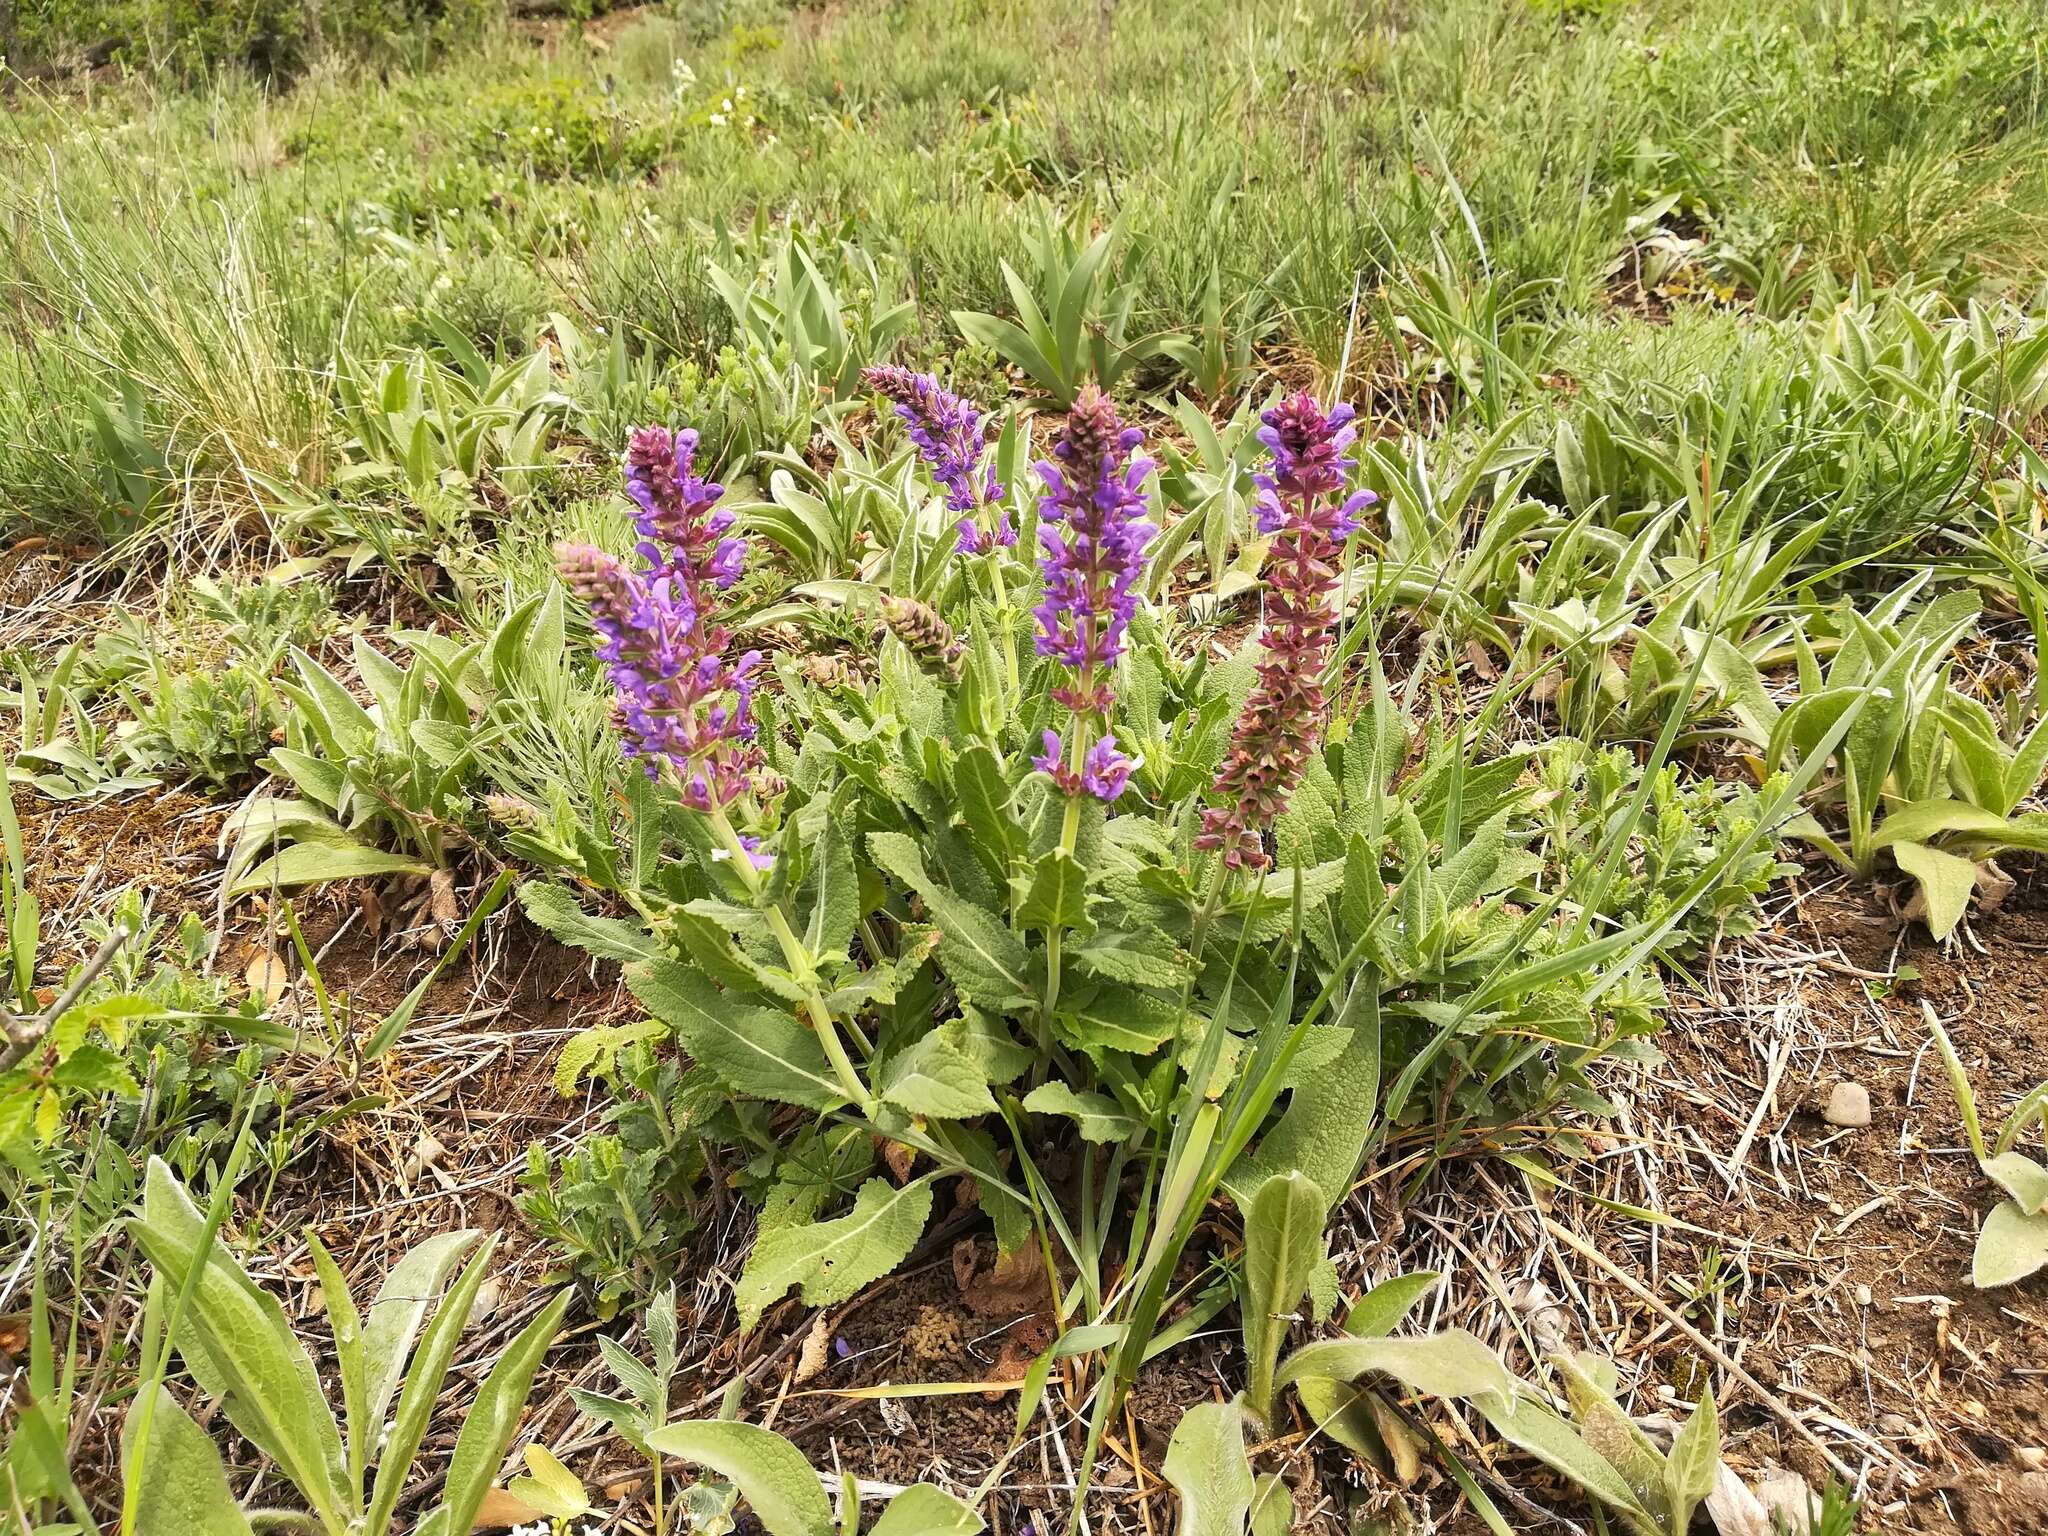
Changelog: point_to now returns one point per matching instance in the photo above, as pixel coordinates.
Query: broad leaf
(184, 1489)
(493, 1418)
(240, 1348)
(1694, 1462)
(759, 1051)
(555, 910)
(923, 1510)
(832, 1260)
(2022, 1178)
(770, 1473)
(1451, 1364)
(2012, 1246)
(1946, 882)
(1096, 1115)
(1383, 1308)
(1207, 1465)
(933, 1077)
(1552, 1440)
(1283, 1235)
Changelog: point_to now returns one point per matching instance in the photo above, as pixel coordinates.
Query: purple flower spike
(951, 437)
(1282, 721)
(679, 700)
(1093, 529)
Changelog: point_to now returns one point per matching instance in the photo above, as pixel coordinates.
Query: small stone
(2032, 1458)
(1848, 1106)
(1788, 1499)
(1897, 1425)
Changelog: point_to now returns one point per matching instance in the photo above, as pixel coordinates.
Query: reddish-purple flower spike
(1093, 533)
(679, 700)
(1282, 721)
(952, 438)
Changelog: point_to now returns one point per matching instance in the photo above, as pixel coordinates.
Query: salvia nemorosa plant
(1093, 532)
(1283, 719)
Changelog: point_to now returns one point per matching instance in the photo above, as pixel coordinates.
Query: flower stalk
(1283, 720)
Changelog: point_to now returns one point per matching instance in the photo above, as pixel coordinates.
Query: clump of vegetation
(1132, 639)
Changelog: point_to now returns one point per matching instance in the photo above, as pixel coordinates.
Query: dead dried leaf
(267, 977)
(500, 1510)
(816, 1351)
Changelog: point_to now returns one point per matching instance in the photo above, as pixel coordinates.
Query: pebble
(1848, 1105)
(1788, 1499)
(2031, 1457)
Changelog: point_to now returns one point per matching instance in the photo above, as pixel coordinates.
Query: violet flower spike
(951, 437)
(1094, 533)
(680, 701)
(1282, 722)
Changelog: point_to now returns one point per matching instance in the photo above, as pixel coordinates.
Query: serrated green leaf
(1055, 893)
(1095, 1114)
(832, 1260)
(759, 1051)
(555, 911)
(933, 1077)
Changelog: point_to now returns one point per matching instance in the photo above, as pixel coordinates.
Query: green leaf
(412, 1286)
(2012, 1246)
(1338, 1409)
(983, 799)
(240, 1348)
(1532, 1427)
(1386, 1306)
(1095, 1114)
(935, 1078)
(1207, 1465)
(922, 1510)
(1283, 1234)
(317, 863)
(1610, 1432)
(415, 1412)
(1923, 819)
(1694, 1462)
(550, 1488)
(758, 1051)
(347, 1324)
(554, 910)
(2022, 1178)
(493, 1418)
(985, 960)
(832, 1260)
(1272, 1506)
(1451, 1364)
(835, 897)
(770, 1473)
(1055, 895)
(184, 1490)
(1329, 1113)
(95, 1069)
(1946, 880)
